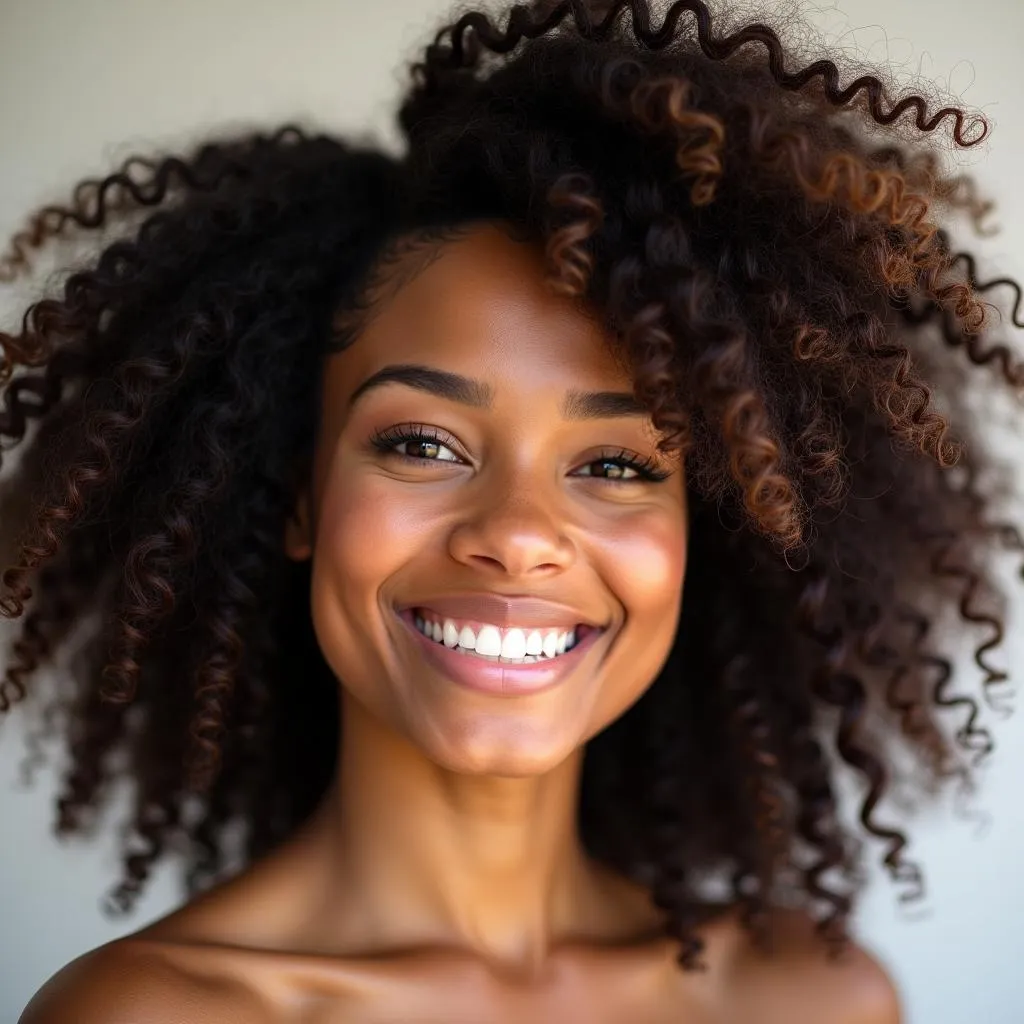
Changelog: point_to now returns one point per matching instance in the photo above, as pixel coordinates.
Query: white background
(83, 83)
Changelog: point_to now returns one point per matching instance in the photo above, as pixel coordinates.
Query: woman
(499, 539)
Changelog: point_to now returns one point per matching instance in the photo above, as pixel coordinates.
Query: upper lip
(502, 610)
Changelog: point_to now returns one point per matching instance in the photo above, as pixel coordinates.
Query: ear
(298, 534)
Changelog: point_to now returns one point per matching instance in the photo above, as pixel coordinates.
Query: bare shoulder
(133, 981)
(799, 980)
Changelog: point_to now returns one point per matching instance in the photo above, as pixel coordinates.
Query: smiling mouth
(493, 674)
(509, 647)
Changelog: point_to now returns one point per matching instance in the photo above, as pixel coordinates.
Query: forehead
(477, 302)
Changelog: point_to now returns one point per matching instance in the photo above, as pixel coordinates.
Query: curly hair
(767, 250)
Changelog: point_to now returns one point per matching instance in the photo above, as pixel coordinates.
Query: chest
(461, 1008)
(473, 997)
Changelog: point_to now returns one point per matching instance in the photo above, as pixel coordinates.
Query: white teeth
(515, 645)
(551, 644)
(488, 641)
(450, 634)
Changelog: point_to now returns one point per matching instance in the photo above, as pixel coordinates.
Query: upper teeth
(491, 641)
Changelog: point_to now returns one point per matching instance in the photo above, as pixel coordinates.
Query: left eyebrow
(598, 405)
(577, 405)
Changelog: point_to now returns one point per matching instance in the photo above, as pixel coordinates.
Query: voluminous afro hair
(766, 248)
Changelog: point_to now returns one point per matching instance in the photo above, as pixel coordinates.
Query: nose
(513, 530)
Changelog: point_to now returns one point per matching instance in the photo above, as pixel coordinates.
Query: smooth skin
(442, 878)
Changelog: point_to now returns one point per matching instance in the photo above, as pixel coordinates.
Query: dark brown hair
(767, 248)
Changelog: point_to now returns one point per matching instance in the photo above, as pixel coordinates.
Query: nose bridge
(526, 500)
(514, 517)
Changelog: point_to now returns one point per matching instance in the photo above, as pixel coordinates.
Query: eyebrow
(577, 405)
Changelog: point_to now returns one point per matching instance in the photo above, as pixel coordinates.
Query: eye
(626, 467)
(423, 443)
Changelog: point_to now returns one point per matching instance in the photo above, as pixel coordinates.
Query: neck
(422, 856)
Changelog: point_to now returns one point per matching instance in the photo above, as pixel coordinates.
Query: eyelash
(386, 440)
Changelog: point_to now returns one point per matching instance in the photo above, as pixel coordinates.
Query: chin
(499, 746)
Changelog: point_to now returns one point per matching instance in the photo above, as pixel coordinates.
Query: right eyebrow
(443, 383)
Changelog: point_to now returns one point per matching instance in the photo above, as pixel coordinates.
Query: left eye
(620, 469)
(426, 449)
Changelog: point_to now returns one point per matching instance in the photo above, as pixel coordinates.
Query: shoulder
(132, 981)
(799, 980)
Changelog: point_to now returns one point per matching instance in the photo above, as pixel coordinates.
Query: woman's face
(479, 492)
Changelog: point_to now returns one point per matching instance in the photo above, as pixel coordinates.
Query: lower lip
(502, 679)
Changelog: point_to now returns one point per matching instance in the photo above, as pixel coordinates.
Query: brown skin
(442, 877)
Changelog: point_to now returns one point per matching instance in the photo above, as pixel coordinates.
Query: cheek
(644, 566)
(365, 533)
(364, 537)
(642, 561)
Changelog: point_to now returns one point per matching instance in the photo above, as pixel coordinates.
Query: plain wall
(83, 83)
